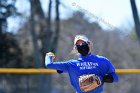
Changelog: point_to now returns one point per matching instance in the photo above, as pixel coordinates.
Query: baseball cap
(80, 37)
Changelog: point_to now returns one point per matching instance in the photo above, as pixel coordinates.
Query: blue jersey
(90, 64)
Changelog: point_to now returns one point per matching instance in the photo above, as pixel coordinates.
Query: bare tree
(51, 38)
(44, 33)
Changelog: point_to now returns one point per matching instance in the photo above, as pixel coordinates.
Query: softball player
(88, 72)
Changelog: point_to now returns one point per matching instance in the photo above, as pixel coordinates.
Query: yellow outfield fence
(48, 71)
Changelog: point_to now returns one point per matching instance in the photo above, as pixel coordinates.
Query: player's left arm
(111, 75)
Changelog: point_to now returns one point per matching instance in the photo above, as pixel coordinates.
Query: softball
(50, 54)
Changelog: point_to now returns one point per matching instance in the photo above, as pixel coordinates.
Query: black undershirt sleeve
(59, 71)
(108, 78)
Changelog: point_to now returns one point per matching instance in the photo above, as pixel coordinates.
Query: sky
(108, 13)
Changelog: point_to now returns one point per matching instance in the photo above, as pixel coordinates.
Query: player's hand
(51, 55)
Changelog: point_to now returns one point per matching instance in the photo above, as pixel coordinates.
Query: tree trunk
(47, 48)
(57, 27)
(0, 26)
(136, 18)
(35, 45)
(48, 32)
(36, 11)
(34, 36)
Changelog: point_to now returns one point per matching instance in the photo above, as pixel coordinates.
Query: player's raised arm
(49, 58)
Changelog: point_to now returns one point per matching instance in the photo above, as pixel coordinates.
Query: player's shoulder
(73, 60)
(102, 58)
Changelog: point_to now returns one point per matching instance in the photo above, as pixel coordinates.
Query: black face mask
(83, 49)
